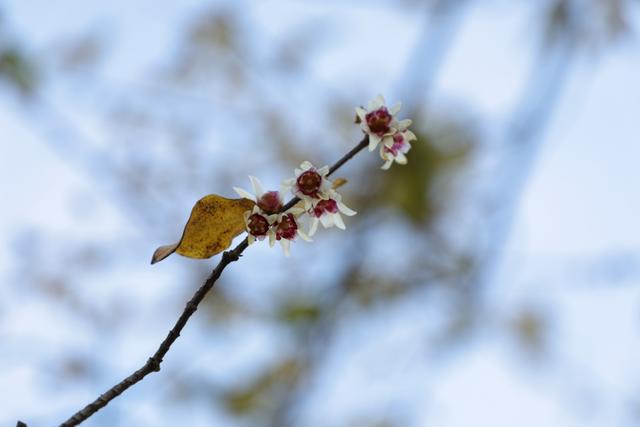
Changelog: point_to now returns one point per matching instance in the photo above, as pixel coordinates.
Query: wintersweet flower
(327, 212)
(258, 224)
(379, 122)
(285, 230)
(270, 202)
(310, 184)
(396, 151)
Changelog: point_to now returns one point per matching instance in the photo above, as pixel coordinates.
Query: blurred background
(494, 280)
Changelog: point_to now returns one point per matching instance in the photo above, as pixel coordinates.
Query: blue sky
(580, 205)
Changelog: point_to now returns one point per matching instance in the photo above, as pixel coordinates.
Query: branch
(153, 363)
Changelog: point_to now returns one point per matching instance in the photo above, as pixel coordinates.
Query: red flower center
(309, 183)
(324, 206)
(270, 202)
(258, 225)
(398, 143)
(379, 121)
(287, 228)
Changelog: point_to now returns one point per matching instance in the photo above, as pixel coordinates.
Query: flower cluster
(266, 220)
(382, 127)
(318, 199)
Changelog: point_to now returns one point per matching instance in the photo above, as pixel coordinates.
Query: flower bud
(270, 202)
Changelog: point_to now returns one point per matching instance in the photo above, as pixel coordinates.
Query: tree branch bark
(153, 363)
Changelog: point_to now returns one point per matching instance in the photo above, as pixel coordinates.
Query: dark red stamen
(379, 121)
(258, 225)
(398, 144)
(287, 228)
(309, 183)
(324, 206)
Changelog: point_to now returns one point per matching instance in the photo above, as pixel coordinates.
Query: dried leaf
(213, 224)
(338, 182)
(164, 251)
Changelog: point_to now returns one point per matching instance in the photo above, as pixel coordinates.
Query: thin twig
(153, 363)
(355, 150)
(365, 141)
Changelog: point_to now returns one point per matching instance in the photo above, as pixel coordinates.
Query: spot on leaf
(213, 224)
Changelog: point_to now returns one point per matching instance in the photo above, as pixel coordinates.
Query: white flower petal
(286, 184)
(306, 165)
(308, 202)
(326, 220)
(257, 186)
(244, 193)
(314, 226)
(361, 113)
(285, 247)
(409, 136)
(251, 239)
(346, 210)
(323, 170)
(395, 109)
(272, 238)
(404, 124)
(296, 211)
(337, 219)
(401, 159)
(386, 165)
(373, 141)
(377, 102)
(325, 188)
(303, 236)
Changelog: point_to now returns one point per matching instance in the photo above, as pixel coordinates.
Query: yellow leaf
(213, 224)
(338, 182)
